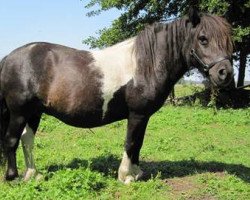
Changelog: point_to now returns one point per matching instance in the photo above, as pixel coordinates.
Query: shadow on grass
(109, 164)
(74, 164)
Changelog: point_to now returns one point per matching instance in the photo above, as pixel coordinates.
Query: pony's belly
(87, 119)
(86, 108)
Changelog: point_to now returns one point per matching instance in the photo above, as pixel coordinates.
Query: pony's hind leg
(129, 169)
(11, 141)
(27, 139)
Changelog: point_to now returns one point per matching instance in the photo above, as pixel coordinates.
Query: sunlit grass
(188, 153)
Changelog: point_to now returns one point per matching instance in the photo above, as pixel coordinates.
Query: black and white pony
(130, 80)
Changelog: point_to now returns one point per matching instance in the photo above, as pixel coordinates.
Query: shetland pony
(130, 80)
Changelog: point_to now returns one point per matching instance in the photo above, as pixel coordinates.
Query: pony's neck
(176, 34)
(159, 51)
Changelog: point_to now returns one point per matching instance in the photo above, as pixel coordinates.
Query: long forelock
(219, 30)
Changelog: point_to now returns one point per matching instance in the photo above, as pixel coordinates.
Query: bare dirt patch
(188, 188)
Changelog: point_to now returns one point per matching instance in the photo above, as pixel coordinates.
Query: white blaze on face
(118, 65)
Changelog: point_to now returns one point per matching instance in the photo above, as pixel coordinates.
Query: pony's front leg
(129, 169)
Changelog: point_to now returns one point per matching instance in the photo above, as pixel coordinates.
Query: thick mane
(160, 44)
(166, 44)
(219, 29)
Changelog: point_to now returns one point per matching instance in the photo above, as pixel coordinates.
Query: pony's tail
(4, 120)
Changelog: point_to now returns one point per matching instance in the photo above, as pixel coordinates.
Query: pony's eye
(203, 40)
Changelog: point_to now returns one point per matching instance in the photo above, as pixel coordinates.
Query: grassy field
(187, 89)
(188, 153)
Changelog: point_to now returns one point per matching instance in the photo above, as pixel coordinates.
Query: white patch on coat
(128, 172)
(27, 139)
(118, 65)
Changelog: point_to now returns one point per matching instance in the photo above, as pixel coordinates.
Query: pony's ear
(194, 16)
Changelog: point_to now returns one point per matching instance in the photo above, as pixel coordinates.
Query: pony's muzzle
(222, 74)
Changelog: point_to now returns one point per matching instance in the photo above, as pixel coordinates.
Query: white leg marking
(27, 139)
(128, 172)
(118, 66)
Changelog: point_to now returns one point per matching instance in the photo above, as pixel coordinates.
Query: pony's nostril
(222, 73)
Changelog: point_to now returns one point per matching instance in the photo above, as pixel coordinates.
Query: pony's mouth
(220, 84)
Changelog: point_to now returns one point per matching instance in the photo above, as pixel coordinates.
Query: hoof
(11, 175)
(31, 173)
(131, 175)
(128, 172)
(38, 177)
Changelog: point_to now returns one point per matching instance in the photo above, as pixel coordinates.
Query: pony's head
(209, 47)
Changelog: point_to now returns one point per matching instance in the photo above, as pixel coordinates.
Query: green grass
(187, 89)
(188, 153)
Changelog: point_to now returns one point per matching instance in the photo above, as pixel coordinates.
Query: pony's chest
(117, 70)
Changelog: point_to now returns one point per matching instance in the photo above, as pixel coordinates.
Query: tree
(138, 13)
(135, 16)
